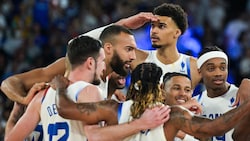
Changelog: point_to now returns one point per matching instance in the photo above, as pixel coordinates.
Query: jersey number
(53, 130)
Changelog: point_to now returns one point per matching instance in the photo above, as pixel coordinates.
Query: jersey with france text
(215, 107)
(182, 65)
(54, 126)
(124, 116)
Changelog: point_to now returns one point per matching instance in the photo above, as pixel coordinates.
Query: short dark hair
(175, 12)
(82, 47)
(110, 32)
(167, 76)
(208, 49)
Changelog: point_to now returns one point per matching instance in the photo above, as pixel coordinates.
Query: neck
(74, 76)
(167, 55)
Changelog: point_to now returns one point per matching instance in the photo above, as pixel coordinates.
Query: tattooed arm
(182, 119)
(90, 113)
(93, 112)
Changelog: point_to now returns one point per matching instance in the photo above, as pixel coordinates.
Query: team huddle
(78, 97)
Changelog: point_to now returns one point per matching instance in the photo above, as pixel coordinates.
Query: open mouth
(121, 80)
(218, 81)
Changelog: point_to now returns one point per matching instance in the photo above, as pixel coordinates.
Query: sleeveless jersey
(54, 126)
(215, 107)
(182, 65)
(104, 88)
(156, 134)
(37, 134)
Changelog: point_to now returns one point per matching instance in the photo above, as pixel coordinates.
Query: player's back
(156, 134)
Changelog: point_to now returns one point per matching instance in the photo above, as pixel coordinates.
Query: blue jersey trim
(188, 67)
(119, 112)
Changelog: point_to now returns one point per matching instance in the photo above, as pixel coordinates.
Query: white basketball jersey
(215, 107)
(37, 134)
(182, 65)
(54, 126)
(124, 116)
(104, 88)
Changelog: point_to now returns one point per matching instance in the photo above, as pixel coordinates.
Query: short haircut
(110, 32)
(175, 12)
(82, 47)
(167, 76)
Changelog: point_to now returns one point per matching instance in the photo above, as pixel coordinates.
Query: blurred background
(34, 33)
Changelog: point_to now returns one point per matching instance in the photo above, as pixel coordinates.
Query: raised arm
(16, 87)
(132, 22)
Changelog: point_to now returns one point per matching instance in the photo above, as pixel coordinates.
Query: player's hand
(243, 92)
(154, 117)
(193, 106)
(120, 96)
(137, 20)
(34, 90)
(59, 82)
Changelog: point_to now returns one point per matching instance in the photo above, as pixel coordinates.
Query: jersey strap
(119, 112)
(44, 94)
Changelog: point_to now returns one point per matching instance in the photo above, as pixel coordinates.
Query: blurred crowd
(34, 33)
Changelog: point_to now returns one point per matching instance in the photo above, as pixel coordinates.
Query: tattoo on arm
(88, 108)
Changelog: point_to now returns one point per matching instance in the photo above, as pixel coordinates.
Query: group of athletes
(76, 97)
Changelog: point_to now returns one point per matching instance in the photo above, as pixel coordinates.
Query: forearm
(201, 127)
(114, 132)
(15, 114)
(132, 22)
(70, 110)
(96, 32)
(14, 89)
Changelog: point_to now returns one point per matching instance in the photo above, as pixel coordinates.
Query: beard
(96, 81)
(156, 46)
(118, 65)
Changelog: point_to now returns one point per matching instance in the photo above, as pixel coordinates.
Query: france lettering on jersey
(54, 126)
(124, 116)
(182, 65)
(215, 107)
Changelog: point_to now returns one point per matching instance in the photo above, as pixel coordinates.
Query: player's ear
(108, 48)
(177, 33)
(90, 62)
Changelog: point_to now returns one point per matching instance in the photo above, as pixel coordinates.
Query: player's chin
(156, 46)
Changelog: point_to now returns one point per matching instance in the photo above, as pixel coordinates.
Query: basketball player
(219, 95)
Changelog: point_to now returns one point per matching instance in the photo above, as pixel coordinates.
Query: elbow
(4, 87)
(7, 138)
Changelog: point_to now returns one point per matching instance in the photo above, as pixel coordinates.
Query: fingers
(163, 113)
(39, 86)
(148, 15)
